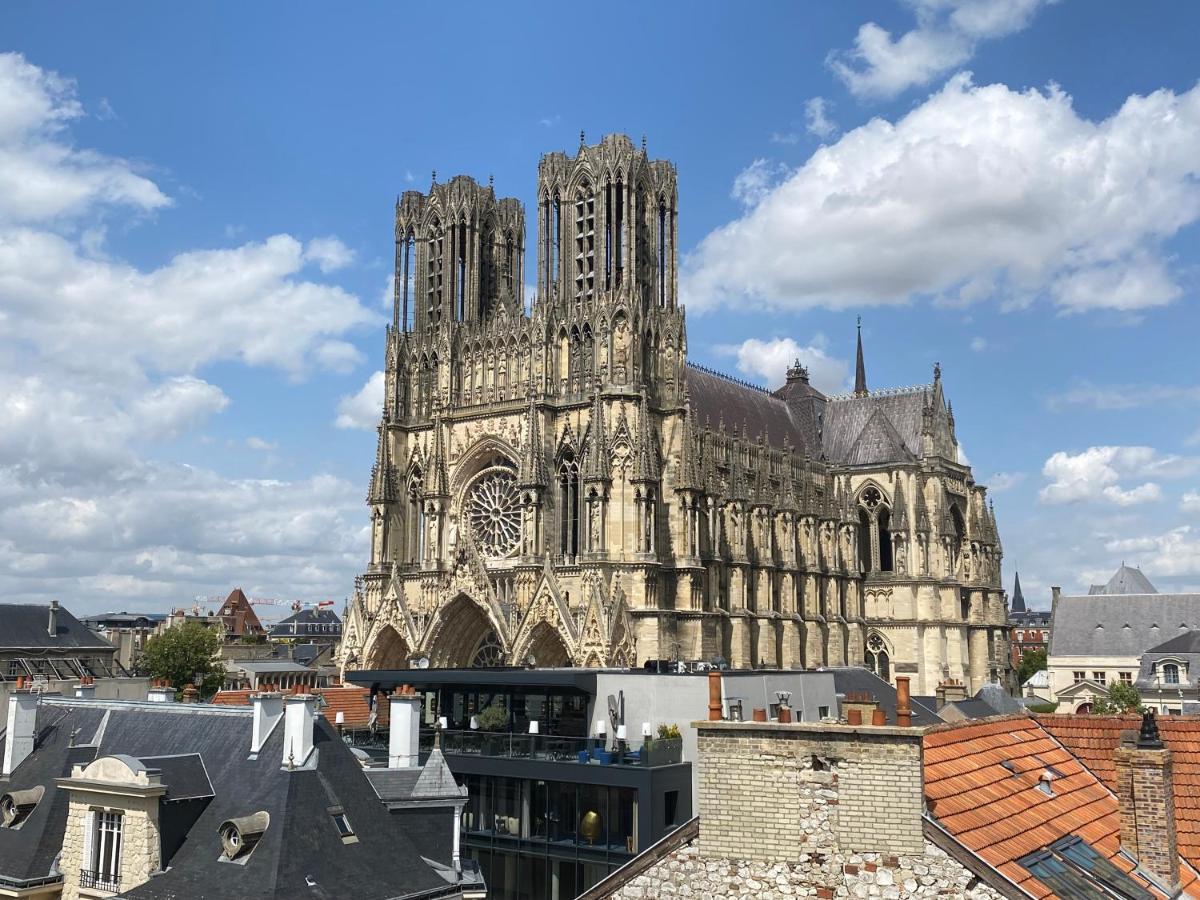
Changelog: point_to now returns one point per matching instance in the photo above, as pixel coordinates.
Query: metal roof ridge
(882, 392)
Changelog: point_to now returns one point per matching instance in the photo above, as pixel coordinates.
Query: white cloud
(257, 443)
(946, 36)
(362, 410)
(978, 344)
(1004, 481)
(756, 181)
(102, 360)
(979, 190)
(328, 253)
(1173, 553)
(1190, 502)
(816, 117)
(43, 177)
(770, 360)
(1121, 396)
(1094, 475)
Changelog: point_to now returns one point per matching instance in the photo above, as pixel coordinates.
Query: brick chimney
(52, 625)
(299, 711)
(22, 723)
(86, 689)
(1145, 796)
(903, 702)
(268, 710)
(161, 691)
(404, 729)
(949, 691)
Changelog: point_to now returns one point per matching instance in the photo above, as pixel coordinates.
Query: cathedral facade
(557, 485)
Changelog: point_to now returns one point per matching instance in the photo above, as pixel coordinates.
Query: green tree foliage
(186, 654)
(1122, 698)
(1031, 663)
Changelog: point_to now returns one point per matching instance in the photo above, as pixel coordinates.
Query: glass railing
(552, 748)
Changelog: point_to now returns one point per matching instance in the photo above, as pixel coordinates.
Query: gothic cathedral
(559, 486)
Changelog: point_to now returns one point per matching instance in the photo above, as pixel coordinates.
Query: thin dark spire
(1018, 599)
(860, 368)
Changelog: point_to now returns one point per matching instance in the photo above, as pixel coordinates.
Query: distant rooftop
(1127, 580)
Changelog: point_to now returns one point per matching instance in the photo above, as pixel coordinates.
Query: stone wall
(690, 873)
(140, 840)
(769, 790)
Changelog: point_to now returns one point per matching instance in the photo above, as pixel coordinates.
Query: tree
(186, 655)
(1122, 697)
(1032, 662)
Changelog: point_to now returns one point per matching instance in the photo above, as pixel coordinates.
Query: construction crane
(295, 605)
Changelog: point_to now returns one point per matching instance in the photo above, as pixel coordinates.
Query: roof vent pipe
(52, 626)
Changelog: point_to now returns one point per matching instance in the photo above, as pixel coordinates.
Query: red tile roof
(1094, 738)
(1001, 814)
(351, 700)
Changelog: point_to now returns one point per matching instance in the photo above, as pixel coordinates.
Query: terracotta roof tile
(999, 812)
(353, 701)
(1094, 738)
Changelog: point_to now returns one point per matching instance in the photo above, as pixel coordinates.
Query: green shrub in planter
(493, 718)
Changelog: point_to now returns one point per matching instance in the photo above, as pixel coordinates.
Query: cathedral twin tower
(559, 486)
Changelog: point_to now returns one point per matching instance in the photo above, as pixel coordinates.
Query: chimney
(714, 696)
(1146, 802)
(404, 729)
(52, 626)
(298, 713)
(22, 723)
(86, 689)
(161, 692)
(903, 704)
(950, 691)
(268, 710)
(191, 694)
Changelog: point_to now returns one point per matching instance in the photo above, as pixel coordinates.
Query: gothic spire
(646, 464)
(737, 479)
(900, 505)
(787, 484)
(922, 515)
(995, 531)
(687, 468)
(533, 464)
(1018, 599)
(383, 475)
(595, 463)
(860, 367)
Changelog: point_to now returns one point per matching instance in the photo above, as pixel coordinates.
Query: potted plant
(666, 748)
(493, 719)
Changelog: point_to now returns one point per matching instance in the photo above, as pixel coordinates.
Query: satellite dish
(423, 662)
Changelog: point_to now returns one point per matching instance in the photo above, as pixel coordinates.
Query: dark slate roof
(26, 627)
(302, 622)
(183, 774)
(856, 679)
(1188, 642)
(973, 708)
(717, 398)
(1127, 580)
(847, 417)
(301, 843)
(1120, 625)
(28, 853)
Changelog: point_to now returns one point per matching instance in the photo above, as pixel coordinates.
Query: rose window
(494, 512)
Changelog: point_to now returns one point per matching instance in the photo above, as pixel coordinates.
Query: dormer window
(240, 836)
(16, 806)
(345, 831)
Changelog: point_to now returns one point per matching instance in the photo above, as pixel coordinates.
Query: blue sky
(195, 245)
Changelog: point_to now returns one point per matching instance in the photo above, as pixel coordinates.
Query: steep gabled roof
(26, 626)
(1126, 580)
(718, 398)
(847, 416)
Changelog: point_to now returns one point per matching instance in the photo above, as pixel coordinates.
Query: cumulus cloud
(1190, 502)
(1172, 553)
(362, 409)
(979, 344)
(103, 361)
(257, 443)
(769, 361)
(979, 191)
(947, 33)
(1096, 473)
(42, 176)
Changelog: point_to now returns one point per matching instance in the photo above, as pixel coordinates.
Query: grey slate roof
(716, 398)
(307, 622)
(847, 679)
(1119, 625)
(26, 627)
(847, 417)
(1188, 642)
(1127, 580)
(302, 843)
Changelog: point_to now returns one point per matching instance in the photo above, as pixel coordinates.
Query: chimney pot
(22, 722)
(903, 701)
(714, 696)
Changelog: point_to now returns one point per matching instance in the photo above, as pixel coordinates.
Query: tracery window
(494, 512)
(489, 653)
(875, 537)
(878, 660)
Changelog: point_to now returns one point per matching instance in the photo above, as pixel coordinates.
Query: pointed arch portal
(389, 650)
